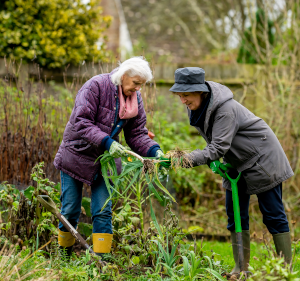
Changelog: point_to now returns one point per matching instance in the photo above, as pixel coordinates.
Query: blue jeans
(270, 205)
(71, 195)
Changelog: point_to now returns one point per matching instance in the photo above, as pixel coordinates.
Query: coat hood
(219, 95)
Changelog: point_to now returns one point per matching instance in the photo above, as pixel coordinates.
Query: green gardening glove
(219, 168)
(165, 162)
(117, 150)
(161, 156)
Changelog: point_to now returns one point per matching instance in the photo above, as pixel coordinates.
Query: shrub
(53, 33)
(248, 52)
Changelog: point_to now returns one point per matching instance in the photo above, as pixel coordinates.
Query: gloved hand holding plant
(175, 159)
(165, 162)
(117, 150)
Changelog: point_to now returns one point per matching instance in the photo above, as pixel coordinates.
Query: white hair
(136, 66)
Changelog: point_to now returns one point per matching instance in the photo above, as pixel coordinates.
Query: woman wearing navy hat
(245, 141)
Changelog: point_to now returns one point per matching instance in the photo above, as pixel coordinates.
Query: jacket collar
(214, 92)
(113, 87)
(216, 100)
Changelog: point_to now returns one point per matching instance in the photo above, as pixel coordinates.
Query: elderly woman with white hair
(106, 104)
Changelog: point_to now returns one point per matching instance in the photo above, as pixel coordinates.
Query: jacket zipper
(263, 169)
(116, 115)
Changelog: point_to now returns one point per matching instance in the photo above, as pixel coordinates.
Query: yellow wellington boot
(102, 243)
(66, 241)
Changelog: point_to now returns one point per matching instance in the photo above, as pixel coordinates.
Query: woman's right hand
(117, 150)
(165, 162)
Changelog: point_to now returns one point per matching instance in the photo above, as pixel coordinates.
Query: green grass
(259, 253)
(81, 268)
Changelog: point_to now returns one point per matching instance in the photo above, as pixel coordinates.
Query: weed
(273, 269)
(24, 222)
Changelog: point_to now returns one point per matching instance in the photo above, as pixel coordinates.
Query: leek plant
(138, 175)
(193, 270)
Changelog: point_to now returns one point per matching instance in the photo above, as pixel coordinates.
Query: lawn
(259, 253)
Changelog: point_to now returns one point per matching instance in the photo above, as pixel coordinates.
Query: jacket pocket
(78, 145)
(257, 177)
(79, 164)
(85, 149)
(81, 147)
(263, 169)
(239, 165)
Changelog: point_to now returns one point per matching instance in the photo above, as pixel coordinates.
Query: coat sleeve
(136, 134)
(85, 112)
(224, 129)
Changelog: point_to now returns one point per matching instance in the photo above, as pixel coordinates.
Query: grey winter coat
(242, 139)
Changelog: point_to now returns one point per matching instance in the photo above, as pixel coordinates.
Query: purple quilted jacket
(93, 118)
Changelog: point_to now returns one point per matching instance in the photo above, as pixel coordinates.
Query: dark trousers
(270, 205)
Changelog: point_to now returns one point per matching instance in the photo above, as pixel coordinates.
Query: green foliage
(24, 221)
(168, 259)
(85, 229)
(53, 33)
(28, 108)
(164, 256)
(144, 248)
(171, 125)
(273, 269)
(201, 266)
(133, 172)
(14, 265)
(248, 51)
(136, 255)
(193, 270)
(23, 265)
(86, 204)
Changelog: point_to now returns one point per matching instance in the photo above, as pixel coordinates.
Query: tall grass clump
(32, 115)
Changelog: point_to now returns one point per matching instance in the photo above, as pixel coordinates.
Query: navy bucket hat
(189, 79)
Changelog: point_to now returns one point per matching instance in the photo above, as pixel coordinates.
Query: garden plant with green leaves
(160, 252)
(144, 247)
(132, 247)
(52, 33)
(22, 219)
